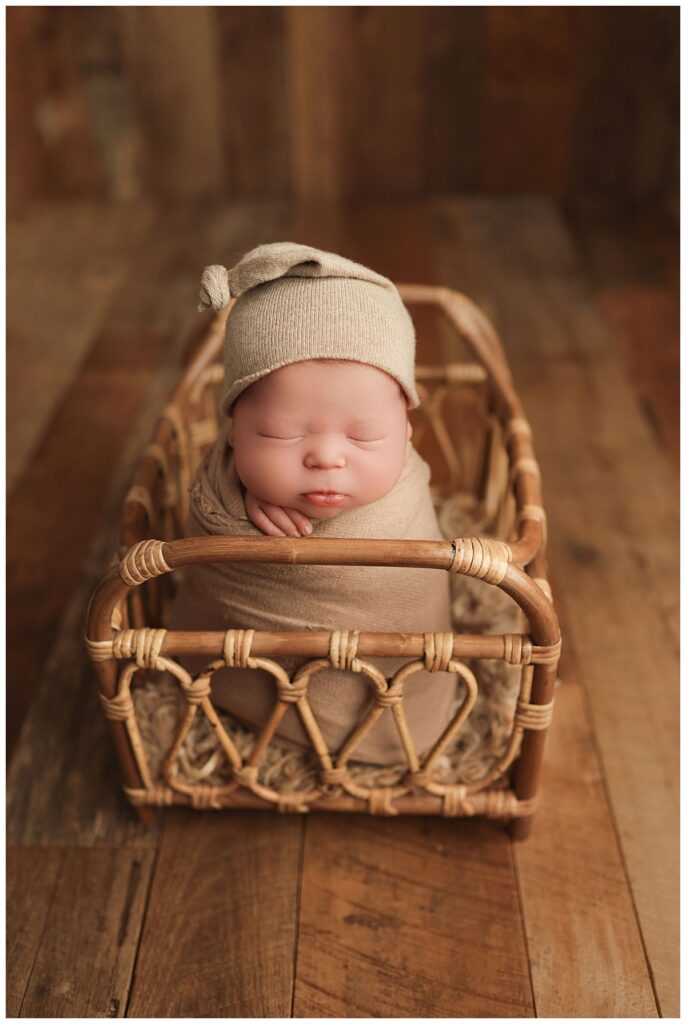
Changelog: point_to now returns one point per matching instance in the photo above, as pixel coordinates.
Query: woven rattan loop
(500, 803)
(537, 513)
(526, 807)
(484, 558)
(117, 708)
(533, 716)
(517, 426)
(145, 644)
(99, 650)
(204, 797)
(525, 464)
(517, 649)
(465, 373)
(388, 699)
(438, 650)
(420, 778)
(547, 655)
(291, 803)
(237, 645)
(141, 496)
(381, 801)
(157, 452)
(291, 693)
(246, 774)
(334, 776)
(143, 562)
(343, 649)
(196, 691)
(203, 431)
(156, 796)
(455, 803)
(544, 585)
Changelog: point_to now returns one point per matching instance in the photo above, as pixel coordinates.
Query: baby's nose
(324, 453)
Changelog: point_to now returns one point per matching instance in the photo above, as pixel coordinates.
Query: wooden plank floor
(249, 914)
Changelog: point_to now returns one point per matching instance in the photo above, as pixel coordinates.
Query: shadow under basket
(176, 747)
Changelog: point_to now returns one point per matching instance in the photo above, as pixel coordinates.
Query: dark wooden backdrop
(344, 103)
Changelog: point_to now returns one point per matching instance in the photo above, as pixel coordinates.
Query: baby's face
(315, 427)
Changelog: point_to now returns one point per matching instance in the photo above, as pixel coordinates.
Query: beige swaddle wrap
(306, 597)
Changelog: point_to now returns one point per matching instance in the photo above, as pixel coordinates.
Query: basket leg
(520, 828)
(146, 815)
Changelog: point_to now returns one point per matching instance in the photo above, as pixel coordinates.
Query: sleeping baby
(316, 441)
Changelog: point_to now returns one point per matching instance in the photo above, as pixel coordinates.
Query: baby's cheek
(265, 473)
(376, 473)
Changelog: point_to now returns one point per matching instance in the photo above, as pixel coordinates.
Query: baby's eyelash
(274, 437)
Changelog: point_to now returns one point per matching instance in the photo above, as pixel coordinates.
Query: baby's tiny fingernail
(307, 528)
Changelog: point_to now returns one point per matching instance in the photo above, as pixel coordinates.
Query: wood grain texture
(630, 48)
(320, 59)
(348, 103)
(633, 263)
(51, 138)
(529, 98)
(67, 262)
(613, 541)
(409, 918)
(82, 963)
(385, 99)
(176, 84)
(572, 879)
(254, 122)
(31, 878)
(92, 419)
(219, 936)
(454, 74)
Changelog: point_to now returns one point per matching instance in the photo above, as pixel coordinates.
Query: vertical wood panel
(385, 153)
(531, 56)
(173, 59)
(254, 107)
(343, 103)
(320, 55)
(454, 79)
(51, 143)
(617, 69)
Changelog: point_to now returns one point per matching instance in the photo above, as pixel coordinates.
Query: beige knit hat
(296, 303)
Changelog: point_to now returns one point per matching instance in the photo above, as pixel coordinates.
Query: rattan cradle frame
(517, 567)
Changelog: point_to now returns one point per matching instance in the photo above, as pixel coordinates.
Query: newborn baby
(316, 443)
(316, 437)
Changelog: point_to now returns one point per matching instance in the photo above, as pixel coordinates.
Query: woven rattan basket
(175, 747)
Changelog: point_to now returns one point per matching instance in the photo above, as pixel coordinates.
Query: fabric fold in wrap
(312, 597)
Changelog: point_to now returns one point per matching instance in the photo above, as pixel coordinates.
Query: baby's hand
(275, 520)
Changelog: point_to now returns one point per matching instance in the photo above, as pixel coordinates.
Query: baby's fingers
(264, 523)
(281, 518)
(300, 520)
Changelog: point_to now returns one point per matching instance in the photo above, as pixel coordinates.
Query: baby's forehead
(312, 381)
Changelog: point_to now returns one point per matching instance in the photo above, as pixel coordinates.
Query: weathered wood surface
(78, 914)
(409, 918)
(221, 925)
(362, 103)
(612, 502)
(328, 914)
